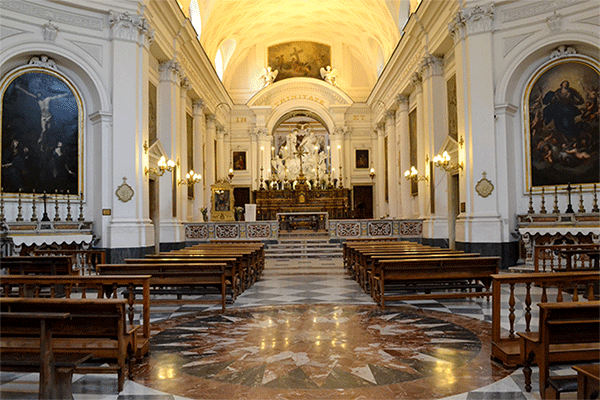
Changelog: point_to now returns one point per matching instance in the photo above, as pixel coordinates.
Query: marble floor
(310, 337)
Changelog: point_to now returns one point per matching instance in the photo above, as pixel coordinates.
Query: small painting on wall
(299, 59)
(362, 159)
(561, 114)
(239, 160)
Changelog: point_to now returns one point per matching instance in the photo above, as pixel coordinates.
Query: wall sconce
(230, 173)
(443, 161)
(372, 173)
(164, 165)
(191, 178)
(413, 174)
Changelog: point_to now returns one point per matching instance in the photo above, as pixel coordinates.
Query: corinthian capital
(130, 27)
(340, 131)
(472, 20)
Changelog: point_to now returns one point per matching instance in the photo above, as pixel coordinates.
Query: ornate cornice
(39, 11)
(130, 27)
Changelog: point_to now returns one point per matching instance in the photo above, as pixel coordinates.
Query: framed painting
(239, 160)
(222, 201)
(41, 137)
(561, 123)
(298, 59)
(362, 159)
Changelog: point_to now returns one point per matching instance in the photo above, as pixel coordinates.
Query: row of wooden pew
(105, 326)
(402, 270)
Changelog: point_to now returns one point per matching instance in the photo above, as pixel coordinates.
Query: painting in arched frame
(41, 137)
(562, 123)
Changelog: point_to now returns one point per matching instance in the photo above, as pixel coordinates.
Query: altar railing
(337, 229)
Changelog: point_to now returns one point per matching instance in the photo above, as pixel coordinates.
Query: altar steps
(279, 267)
(303, 248)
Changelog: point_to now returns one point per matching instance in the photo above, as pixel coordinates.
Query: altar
(293, 221)
(333, 202)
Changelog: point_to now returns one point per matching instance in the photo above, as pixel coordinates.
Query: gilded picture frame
(222, 201)
(561, 118)
(41, 137)
(362, 159)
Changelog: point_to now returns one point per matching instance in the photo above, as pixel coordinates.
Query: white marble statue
(268, 76)
(329, 75)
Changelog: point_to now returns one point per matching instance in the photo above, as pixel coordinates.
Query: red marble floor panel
(320, 351)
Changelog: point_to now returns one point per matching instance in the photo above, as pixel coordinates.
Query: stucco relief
(33, 10)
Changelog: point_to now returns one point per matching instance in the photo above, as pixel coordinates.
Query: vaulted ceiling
(367, 28)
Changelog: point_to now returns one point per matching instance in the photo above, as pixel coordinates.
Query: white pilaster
(380, 206)
(209, 161)
(199, 168)
(405, 210)
(392, 171)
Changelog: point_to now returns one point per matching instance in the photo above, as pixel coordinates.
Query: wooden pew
(554, 286)
(99, 287)
(569, 330)
(179, 275)
(555, 257)
(48, 265)
(96, 326)
(234, 271)
(442, 270)
(85, 259)
(56, 372)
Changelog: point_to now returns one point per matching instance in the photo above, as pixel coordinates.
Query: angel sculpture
(329, 75)
(268, 76)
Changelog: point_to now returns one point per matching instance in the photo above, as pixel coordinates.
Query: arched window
(403, 13)
(223, 56)
(195, 17)
(219, 64)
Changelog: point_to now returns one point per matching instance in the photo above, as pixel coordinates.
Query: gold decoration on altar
(222, 201)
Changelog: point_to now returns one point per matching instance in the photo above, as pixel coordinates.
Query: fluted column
(402, 135)
(392, 167)
(199, 168)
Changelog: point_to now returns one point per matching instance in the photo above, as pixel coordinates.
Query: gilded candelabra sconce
(413, 175)
(443, 162)
(164, 165)
(231, 174)
(372, 173)
(191, 178)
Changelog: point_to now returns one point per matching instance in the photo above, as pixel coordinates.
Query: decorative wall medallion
(124, 192)
(484, 187)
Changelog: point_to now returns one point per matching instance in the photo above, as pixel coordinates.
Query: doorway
(363, 202)
(241, 196)
(155, 212)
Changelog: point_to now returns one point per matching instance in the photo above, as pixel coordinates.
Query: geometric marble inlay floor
(304, 336)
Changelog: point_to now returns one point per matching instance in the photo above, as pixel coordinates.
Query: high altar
(269, 202)
(300, 178)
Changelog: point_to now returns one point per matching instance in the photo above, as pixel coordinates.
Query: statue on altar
(302, 153)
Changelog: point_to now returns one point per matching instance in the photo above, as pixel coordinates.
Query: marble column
(168, 126)
(380, 206)
(129, 225)
(434, 136)
(199, 167)
(402, 129)
(210, 155)
(392, 167)
(472, 29)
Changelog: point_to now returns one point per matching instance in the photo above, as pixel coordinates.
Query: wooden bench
(96, 326)
(86, 260)
(42, 265)
(444, 271)
(554, 287)
(178, 275)
(56, 372)
(570, 330)
(99, 287)
(555, 257)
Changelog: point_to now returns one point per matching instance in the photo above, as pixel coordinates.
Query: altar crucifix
(300, 152)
